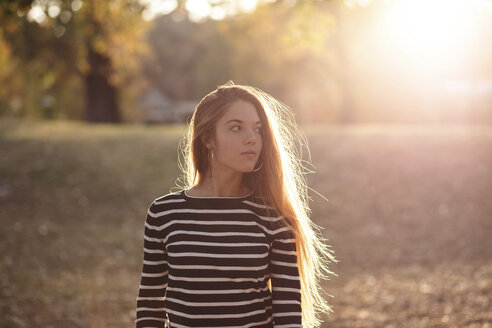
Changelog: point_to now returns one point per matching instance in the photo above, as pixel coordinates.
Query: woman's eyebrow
(239, 121)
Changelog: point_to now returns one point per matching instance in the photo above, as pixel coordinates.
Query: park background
(394, 96)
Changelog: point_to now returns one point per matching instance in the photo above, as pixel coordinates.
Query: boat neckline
(184, 192)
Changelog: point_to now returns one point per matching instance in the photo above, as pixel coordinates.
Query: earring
(211, 154)
(259, 168)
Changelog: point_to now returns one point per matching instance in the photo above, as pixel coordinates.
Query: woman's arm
(286, 286)
(151, 311)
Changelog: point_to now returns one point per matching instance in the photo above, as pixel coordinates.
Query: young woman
(235, 246)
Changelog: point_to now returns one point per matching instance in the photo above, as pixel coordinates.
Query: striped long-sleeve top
(207, 261)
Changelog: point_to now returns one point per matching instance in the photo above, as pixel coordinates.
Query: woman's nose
(251, 137)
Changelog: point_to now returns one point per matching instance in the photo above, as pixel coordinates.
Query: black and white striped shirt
(207, 261)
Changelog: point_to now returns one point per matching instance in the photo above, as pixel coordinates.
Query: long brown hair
(280, 182)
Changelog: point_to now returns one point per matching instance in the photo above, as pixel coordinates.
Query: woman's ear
(205, 142)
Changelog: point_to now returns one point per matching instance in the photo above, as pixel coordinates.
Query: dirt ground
(408, 213)
(409, 216)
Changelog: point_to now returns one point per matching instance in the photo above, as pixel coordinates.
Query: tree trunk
(101, 95)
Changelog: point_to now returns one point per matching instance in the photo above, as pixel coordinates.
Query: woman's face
(237, 132)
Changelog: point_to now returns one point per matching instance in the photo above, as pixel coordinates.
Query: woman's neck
(209, 189)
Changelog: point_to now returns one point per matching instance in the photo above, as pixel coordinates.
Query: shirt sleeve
(286, 287)
(151, 311)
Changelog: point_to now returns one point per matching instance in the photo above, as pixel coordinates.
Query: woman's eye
(258, 129)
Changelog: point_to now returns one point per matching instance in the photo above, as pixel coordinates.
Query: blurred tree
(342, 69)
(336, 43)
(97, 41)
(9, 79)
(282, 47)
(187, 57)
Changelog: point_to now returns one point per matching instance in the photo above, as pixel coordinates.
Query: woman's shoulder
(170, 197)
(168, 200)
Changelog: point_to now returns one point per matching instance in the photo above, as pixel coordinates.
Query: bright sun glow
(431, 30)
(430, 24)
(155, 8)
(199, 9)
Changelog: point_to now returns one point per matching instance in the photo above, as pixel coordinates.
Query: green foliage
(9, 9)
(53, 53)
(281, 48)
(188, 59)
(277, 47)
(329, 62)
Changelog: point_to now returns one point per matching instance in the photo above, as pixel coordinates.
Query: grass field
(407, 211)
